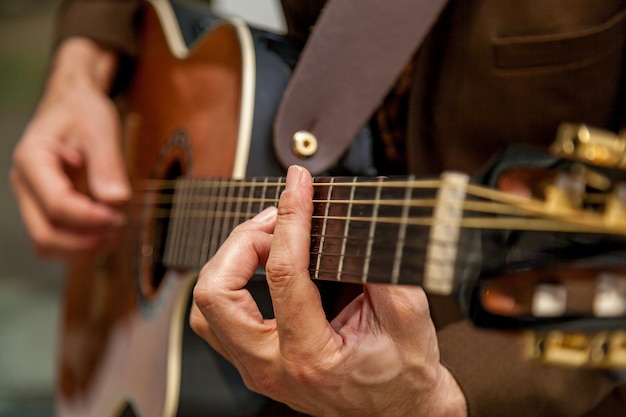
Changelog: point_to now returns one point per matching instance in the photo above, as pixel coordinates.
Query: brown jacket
(492, 72)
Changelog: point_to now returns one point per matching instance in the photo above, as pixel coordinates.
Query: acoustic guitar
(197, 140)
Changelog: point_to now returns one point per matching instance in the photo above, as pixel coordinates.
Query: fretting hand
(378, 357)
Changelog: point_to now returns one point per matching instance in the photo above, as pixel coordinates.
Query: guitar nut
(304, 144)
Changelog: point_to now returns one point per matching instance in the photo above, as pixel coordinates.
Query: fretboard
(367, 230)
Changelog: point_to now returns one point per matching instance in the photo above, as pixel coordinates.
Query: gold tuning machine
(604, 349)
(615, 209)
(566, 193)
(590, 145)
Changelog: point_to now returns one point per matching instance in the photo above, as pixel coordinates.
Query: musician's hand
(68, 173)
(378, 357)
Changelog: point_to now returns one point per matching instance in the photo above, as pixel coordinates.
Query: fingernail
(114, 191)
(265, 215)
(294, 174)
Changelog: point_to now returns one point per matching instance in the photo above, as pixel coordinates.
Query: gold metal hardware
(591, 145)
(610, 297)
(605, 349)
(615, 208)
(565, 193)
(304, 144)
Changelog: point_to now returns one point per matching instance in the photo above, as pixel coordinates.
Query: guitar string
(472, 189)
(574, 221)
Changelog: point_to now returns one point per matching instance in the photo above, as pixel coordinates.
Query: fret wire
(279, 189)
(238, 218)
(226, 224)
(395, 273)
(190, 227)
(171, 239)
(149, 208)
(207, 228)
(180, 244)
(251, 195)
(263, 194)
(199, 230)
(372, 231)
(345, 231)
(325, 221)
(214, 245)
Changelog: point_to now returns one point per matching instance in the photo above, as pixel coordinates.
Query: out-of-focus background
(30, 288)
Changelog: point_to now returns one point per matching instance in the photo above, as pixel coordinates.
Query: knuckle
(201, 296)
(197, 322)
(305, 373)
(54, 209)
(263, 383)
(204, 295)
(280, 269)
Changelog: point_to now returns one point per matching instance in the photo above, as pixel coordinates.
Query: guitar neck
(398, 231)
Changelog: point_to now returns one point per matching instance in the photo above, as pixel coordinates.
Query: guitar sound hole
(159, 205)
(128, 412)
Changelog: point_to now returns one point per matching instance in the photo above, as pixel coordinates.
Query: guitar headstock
(565, 284)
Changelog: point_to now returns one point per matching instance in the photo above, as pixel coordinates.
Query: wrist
(80, 60)
(448, 398)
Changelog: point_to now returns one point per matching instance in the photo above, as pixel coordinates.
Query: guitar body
(126, 347)
(198, 118)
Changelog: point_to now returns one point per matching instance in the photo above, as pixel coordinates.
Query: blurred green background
(29, 288)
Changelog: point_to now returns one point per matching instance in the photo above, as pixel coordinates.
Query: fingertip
(294, 176)
(112, 191)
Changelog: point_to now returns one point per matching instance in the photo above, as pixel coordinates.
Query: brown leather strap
(350, 62)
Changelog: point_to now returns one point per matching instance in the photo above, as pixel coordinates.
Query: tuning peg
(559, 348)
(590, 145)
(549, 300)
(615, 209)
(603, 349)
(565, 193)
(610, 297)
